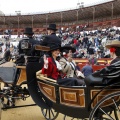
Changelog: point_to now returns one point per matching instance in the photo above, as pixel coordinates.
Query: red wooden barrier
(84, 60)
(98, 67)
(95, 67)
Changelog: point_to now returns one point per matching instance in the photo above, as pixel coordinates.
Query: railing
(84, 60)
(94, 67)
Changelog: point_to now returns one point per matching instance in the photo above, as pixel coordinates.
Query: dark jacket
(90, 51)
(51, 71)
(7, 55)
(87, 70)
(28, 52)
(50, 39)
(115, 60)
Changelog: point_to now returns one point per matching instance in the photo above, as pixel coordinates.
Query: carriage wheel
(49, 114)
(100, 113)
(5, 99)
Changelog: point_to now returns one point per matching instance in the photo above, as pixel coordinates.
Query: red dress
(51, 71)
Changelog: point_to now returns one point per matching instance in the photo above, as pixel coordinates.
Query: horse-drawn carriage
(96, 100)
(99, 99)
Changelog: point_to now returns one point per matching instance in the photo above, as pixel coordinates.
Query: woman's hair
(117, 51)
(50, 54)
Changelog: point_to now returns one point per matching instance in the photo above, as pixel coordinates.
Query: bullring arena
(97, 16)
(80, 21)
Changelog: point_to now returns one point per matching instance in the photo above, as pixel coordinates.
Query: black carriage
(96, 100)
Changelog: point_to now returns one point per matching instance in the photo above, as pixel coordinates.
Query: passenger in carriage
(52, 68)
(114, 47)
(67, 63)
(69, 66)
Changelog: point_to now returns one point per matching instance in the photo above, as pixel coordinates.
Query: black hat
(54, 47)
(52, 27)
(68, 47)
(28, 31)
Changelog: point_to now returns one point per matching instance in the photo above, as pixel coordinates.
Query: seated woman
(51, 65)
(52, 68)
(114, 47)
(68, 64)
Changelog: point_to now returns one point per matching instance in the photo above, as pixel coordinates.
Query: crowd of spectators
(89, 43)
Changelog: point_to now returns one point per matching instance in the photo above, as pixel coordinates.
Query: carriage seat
(45, 78)
(93, 80)
(104, 76)
(8, 72)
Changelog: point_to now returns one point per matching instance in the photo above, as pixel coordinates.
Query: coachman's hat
(28, 31)
(54, 47)
(112, 43)
(52, 27)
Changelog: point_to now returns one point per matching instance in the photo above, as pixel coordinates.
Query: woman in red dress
(51, 66)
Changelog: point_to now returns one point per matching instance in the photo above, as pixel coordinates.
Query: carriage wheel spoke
(45, 112)
(116, 105)
(49, 114)
(52, 112)
(106, 113)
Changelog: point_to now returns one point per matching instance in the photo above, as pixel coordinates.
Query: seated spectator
(0, 49)
(7, 55)
(90, 50)
(92, 60)
(81, 53)
(87, 69)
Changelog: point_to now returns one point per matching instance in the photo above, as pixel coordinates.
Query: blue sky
(32, 6)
